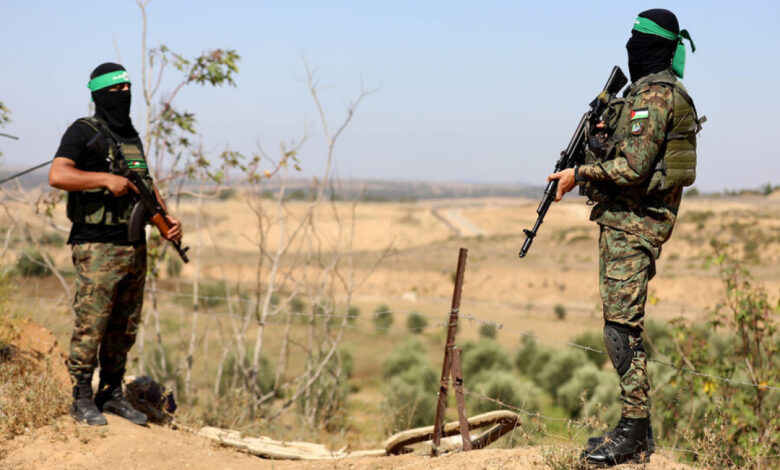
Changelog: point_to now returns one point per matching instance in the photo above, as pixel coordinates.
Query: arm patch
(638, 126)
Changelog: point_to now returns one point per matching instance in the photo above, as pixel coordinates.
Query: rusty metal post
(452, 329)
(460, 400)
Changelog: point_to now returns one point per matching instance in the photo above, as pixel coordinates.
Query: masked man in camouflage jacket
(638, 162)
(111, 269)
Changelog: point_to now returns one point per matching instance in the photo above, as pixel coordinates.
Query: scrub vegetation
(262, 331)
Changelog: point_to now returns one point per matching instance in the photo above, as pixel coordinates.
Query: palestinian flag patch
(136, 164)
(637, 127)
(640, 113)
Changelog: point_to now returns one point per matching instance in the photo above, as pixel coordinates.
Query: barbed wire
(686, 370)
(579, 423)
(436, 322)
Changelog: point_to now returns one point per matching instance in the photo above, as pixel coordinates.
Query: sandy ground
(123, 445)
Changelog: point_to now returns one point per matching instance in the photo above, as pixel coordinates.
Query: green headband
(108, 79)
(643, 25)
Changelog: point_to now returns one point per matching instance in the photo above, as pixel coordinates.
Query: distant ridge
(375, 189)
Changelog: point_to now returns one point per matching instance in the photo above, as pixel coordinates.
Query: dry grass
(31, 393)
(29, 397)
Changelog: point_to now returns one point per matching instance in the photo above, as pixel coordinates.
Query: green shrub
(531, 358)
(352, 314)
(409, 392)
(409, 354)
(210, 293)
(604, 403)
(657, 337)
(487, 331)
(232, 375)
(30, 264)
(410, 398)
(297, 305)
(593, 340)
(525, 355)
(482, 356)
(582, 385)
(505, 387)
(416, 322)
(298, 311)
(330, 391)
(729, 425)
(383, 318)
(560, 312)
(559, 369)
(173, 266)
(52, 238)
(226, 194)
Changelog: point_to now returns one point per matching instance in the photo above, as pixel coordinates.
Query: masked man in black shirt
(111, 269)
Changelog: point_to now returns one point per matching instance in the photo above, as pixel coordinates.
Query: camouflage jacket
(632, 203)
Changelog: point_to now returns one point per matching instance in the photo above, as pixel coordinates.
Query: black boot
(596, 441)
(83, 408)
(110, 398)
(627, 443)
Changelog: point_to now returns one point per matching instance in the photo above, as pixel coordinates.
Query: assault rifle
(148, 207)
(575, 152)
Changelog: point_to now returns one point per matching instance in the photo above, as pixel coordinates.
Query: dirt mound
(34, 384)
(37, 345)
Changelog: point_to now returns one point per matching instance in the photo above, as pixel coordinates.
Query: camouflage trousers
(109, 297)
(626, 265)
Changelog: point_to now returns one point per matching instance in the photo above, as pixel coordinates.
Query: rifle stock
(575, 151)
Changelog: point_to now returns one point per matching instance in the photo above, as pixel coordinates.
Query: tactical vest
(100, 206)
(676, 165)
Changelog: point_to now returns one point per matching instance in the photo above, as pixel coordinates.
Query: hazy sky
(486, 91)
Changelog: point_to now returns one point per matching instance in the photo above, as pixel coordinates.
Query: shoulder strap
(103, 131)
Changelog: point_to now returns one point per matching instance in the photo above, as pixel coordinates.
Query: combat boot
(627, 443)
(110, 398)
(596, 441)
(83, 408)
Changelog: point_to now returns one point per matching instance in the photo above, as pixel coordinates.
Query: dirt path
(454, 219)
(122, 445)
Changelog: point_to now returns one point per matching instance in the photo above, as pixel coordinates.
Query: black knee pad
(617, 340)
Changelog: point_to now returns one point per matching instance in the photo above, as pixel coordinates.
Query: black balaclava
(648, 53)
(113, 106)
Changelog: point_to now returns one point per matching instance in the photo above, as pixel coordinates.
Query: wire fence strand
(436, 322)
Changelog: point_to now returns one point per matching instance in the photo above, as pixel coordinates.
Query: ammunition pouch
(99, 206)
(602, 146)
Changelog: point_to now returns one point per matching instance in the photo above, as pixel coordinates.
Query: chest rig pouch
(100, 206)
(602, 145)
(677, 167)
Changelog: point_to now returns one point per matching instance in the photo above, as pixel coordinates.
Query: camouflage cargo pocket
(626, 267)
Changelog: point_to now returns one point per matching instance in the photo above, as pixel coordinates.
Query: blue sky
(484, 91)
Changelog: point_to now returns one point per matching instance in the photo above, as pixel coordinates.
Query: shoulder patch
(640, 113)
(637, 127)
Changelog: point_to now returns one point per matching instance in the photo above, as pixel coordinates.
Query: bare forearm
(63, 175)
